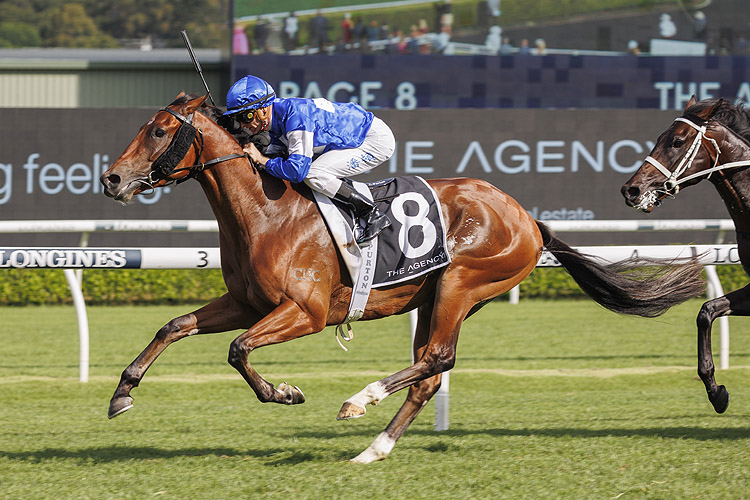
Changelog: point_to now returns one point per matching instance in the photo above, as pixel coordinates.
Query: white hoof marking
(378, 450)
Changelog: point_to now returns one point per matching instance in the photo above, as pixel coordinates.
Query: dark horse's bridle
(187, 136)
(671, 185)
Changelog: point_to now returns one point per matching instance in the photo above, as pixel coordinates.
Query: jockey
(322, 142)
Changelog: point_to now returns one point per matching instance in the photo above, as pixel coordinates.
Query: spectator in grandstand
(667, 27)
(443, 16)
(319, 31)
(398, 43)
(260, 35)
(699, 25)
(359, 33)
(373, 32)
(320, 143)
(412, 46)
(385, 32)
(507, 47)
(291, 32)
(240, 43)
(347, 29)
(524, 48)
(541, 47)
(446, 20)
(493, 40)
(440, 43)
(633, 48)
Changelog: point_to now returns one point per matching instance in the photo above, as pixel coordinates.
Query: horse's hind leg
(419, 394)
(735, 303)
(221, 315)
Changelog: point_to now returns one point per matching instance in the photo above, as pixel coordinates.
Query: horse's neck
(734, 184)
(245, 201)
(233, 188)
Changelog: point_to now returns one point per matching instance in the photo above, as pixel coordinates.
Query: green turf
(548, 400)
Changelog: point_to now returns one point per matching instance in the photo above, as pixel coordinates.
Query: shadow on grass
(276, 456)
(127, 453)
(683, 432)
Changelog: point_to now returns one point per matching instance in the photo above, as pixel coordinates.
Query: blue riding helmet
(250, 92)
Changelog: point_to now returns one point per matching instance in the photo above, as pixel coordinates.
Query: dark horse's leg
(736, 303)
(419, 394)
(221, 315)
(288, 321)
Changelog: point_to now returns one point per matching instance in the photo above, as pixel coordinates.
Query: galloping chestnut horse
(268, 227)
(711, 140)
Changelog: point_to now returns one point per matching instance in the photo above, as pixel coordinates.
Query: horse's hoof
(292, 394)
(349, 410)
(119, 405)
(720, 399)
(368, 457)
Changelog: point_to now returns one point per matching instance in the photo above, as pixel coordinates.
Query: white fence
(72, 259)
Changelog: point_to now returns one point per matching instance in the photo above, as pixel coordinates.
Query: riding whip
(196, 63)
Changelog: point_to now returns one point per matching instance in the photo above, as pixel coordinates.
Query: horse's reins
(187, 136)
(672, 185)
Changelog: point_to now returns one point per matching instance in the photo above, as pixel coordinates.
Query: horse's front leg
(288, 321)
(221, 315)
(735, 303)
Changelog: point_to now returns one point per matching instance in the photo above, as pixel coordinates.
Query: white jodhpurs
(327, 169)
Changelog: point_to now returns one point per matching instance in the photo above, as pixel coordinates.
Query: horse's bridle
(674, 178)
(187, 136)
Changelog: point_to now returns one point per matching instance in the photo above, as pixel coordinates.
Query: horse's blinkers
(166, 163)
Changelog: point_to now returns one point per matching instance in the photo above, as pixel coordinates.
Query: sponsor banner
(559, 164)
(109, 258)
(509, 81)
(69, 258)
(705, 254)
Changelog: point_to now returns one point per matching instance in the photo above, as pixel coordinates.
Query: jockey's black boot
(364, 209)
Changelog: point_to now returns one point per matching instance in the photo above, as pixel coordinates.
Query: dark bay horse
(268, 227)
(711, 140)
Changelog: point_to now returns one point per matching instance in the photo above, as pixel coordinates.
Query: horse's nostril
(111, 180)
(630, 192)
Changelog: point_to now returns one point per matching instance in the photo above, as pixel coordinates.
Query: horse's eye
(677, 143)
(159, 132)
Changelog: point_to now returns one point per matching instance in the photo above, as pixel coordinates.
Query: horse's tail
(627, 287)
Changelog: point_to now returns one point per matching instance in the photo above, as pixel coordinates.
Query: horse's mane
(732, 116)
(242, 136)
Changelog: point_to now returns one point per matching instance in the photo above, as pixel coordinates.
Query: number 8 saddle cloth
(413, 245)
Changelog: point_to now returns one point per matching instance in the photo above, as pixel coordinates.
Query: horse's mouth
(124, 194)
(645, 203)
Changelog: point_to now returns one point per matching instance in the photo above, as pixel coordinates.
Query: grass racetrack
(548, 400)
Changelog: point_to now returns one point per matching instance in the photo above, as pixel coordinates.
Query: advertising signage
(505, 81)
(560, 164)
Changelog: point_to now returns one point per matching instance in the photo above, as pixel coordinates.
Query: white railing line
(79, 226)
(640, 225)
(86, 226)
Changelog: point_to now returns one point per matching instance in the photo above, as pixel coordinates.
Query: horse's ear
(182, 93)
(709, 111)
(194, 104)
(690, 102)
